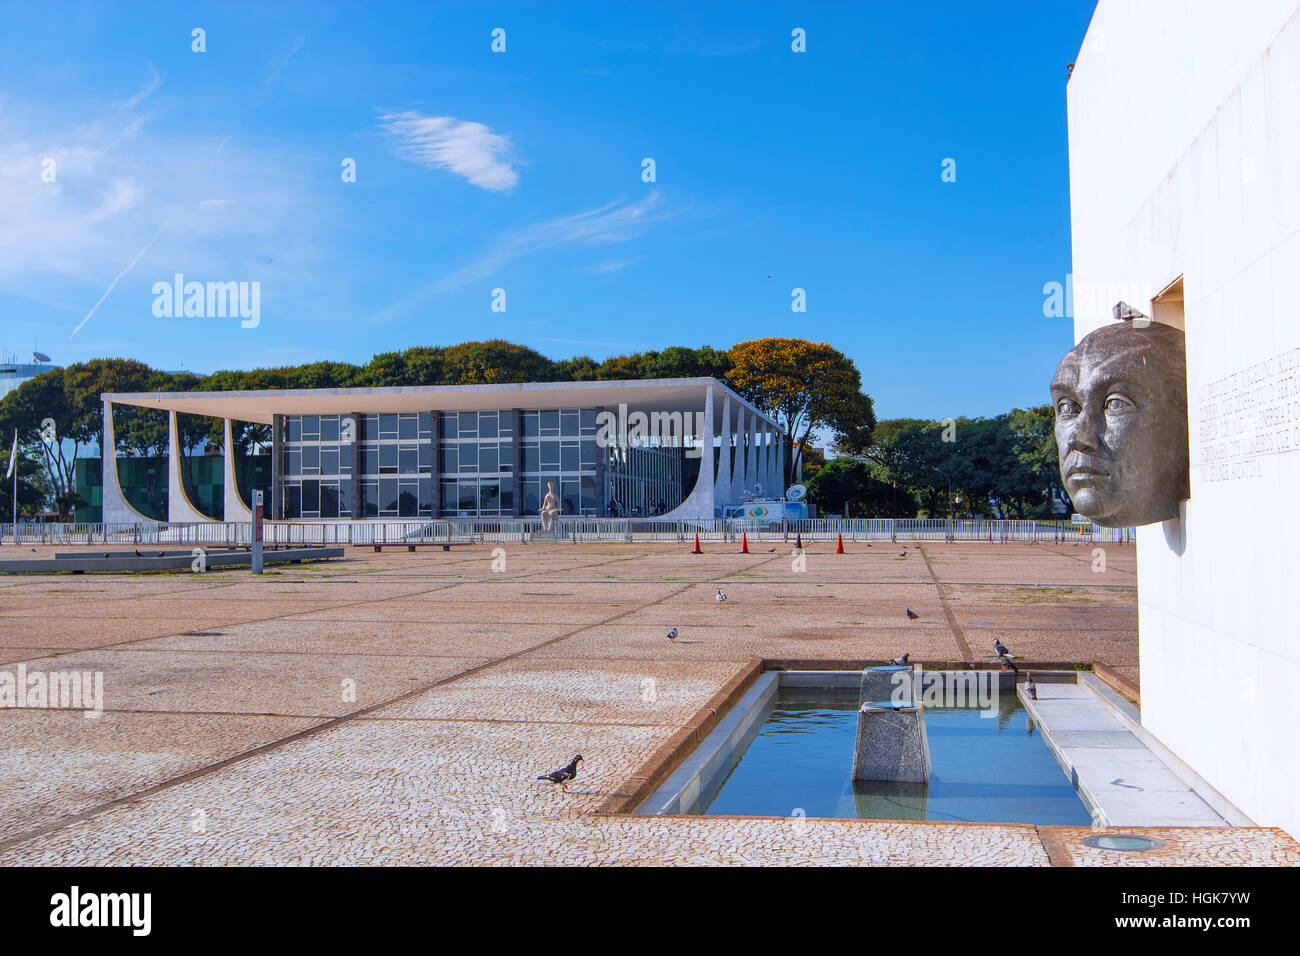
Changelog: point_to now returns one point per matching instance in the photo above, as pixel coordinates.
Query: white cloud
(470, 150)
(615, 221)
(144, 93)
(122, 185)
(606, 267)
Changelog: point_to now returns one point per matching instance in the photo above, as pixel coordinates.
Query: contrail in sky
(112, 284)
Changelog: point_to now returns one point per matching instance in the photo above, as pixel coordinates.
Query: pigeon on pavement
(564, 774)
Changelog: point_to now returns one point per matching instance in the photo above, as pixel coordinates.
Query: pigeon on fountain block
(1031, 689)
(1007, 665)
(912, 615)
(721, 595)
(901, 661)
(1001, 648)
(672, 635)
(564, 774)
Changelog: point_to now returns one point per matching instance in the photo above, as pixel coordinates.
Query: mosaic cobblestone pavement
(396, 708)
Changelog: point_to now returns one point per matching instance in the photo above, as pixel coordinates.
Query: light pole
(949, 480)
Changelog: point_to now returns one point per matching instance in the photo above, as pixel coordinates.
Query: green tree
(494, 361)
(848, 481)
(804, 386)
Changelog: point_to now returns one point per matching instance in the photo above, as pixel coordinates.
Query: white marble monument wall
(1184, 128)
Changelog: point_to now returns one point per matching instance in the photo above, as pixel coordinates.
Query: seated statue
(1121, 424)
(550, 506)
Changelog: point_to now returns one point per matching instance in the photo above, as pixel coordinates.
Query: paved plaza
(397, 707)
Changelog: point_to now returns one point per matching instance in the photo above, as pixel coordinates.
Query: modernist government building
(673, 448)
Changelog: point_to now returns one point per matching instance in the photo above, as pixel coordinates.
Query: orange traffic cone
(697, 544)
(839, 544)
(744, 543)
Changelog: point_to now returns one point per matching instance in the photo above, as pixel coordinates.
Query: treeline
(1000, 466)
(806, 386)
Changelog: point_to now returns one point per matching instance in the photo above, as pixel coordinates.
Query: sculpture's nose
(1083, 433)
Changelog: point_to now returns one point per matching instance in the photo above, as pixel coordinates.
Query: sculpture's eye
(1117, 403)
(1066, 407)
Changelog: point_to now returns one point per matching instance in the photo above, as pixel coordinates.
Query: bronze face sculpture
(1121, 424)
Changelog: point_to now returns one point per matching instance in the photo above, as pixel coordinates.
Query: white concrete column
(741, 472)
(751, 456)
(723, 493)
(769, 486)
(235, 509)
(179, 507)
(699, 503)
(114, 509)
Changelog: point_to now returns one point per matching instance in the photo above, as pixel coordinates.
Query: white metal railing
(576, 530)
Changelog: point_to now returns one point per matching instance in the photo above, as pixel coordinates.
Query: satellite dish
(795, 492)
(41, 357)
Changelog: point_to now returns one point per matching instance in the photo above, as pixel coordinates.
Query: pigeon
(672, 635)
(1031, 689)
(721, 595)
(902, 554)
(771, 550)
(1007, 665)
(912, 615)
(901, 661)
(564, 774)
(1001, 648)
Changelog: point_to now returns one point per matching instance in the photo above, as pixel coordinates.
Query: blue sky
(522, 170)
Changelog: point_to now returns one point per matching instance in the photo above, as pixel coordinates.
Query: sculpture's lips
(1082, 472)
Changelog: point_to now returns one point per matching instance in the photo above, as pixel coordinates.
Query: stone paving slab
(550, 691)
(542, 661)
(1128, 783)
(640, 640)
(10, 655)
(59, 762)
(80, 632)
(292, 685)
(296, 636)
(417, 612)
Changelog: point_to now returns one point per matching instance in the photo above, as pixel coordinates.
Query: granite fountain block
(892, 745)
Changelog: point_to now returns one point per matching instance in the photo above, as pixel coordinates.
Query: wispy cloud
(144, 93)
(606, 267)
(468, 149)
(616, 221)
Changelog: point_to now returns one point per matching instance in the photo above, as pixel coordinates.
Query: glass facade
(395, 465)
(644, 481)
(467, 464)
(559, 446)
(476, 464)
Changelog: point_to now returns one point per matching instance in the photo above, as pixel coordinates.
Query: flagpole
(14, 464)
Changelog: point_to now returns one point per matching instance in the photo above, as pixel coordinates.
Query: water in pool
(985, 769)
